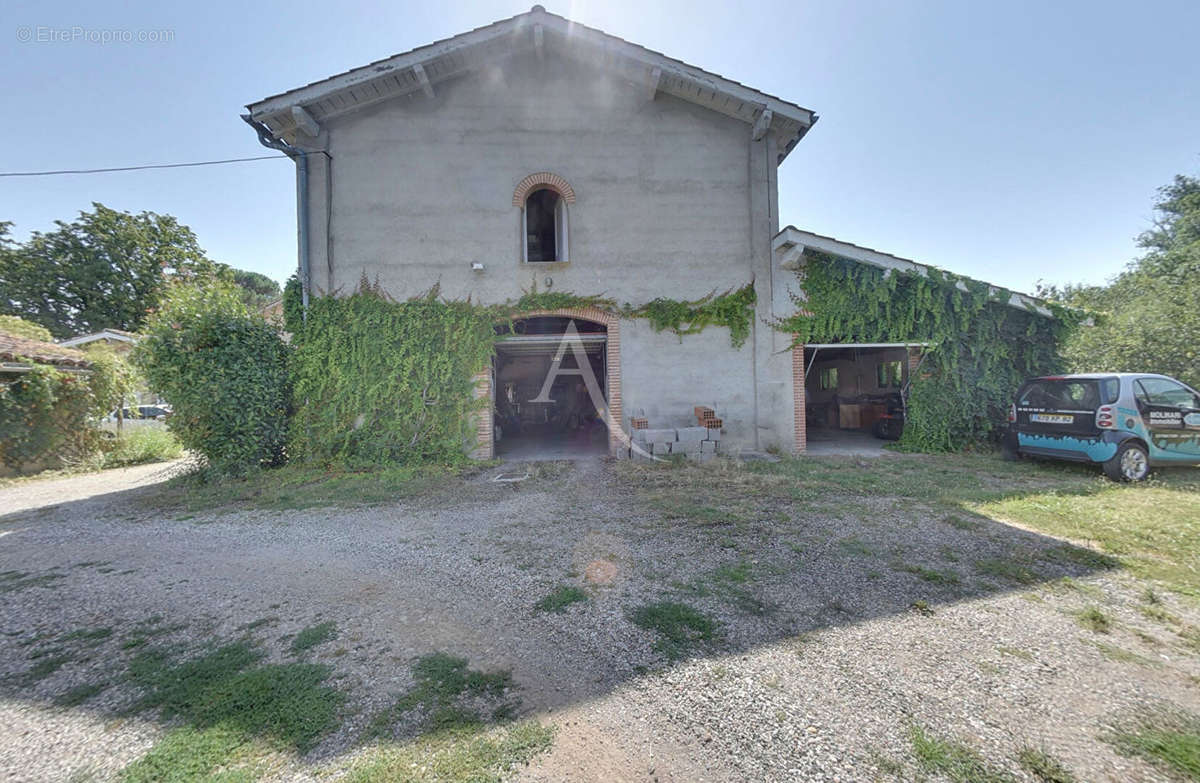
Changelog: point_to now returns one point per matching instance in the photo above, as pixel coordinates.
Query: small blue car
(1127, 422)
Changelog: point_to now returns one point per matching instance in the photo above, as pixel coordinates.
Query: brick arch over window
(485, 445)
(543, 179)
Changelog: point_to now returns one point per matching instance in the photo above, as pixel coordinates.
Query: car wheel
(1130, 463)
(1008, 453)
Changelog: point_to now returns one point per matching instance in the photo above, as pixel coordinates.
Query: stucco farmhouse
(537, 153)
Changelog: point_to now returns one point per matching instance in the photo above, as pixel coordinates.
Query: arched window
(544, 234)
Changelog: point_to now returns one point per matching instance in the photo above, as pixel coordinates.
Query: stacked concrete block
(698, 443)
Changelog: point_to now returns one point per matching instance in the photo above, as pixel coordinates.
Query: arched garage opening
(541, 407)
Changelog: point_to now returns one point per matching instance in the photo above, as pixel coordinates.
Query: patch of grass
(955, 761)
(922, 607)
(1007, 568)
(1144, 528)
(1121, 655)
(80, 693)
(1094, 619)
(460, 754)
(1170, 739)
(444, 686)
(12, 581)
(287, 705)
(140, 446)
(729, 583)
(560, 598)
(191, 755)
(312, 636)
(928, 574)
(679, 626)
(955, 521)
(1043, 766)
(89, 635)
(854, 547)
(299, 487)
(46, 666)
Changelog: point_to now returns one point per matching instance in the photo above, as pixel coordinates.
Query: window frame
(827, 379)
(562, 224)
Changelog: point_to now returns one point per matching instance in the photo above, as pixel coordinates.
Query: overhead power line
(136, 168)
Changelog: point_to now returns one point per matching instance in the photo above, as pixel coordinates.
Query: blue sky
(1011, 141)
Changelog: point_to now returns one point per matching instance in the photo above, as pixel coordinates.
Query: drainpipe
(267, 139)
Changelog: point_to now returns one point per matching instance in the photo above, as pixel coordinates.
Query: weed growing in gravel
(1008, 568)
(312, 636)
(929, 574)
(455, 754)
(89, 635)
(853, 547)
(234, 709)
(728, 584)
(1044, 767)
(1168, 738)
(679, 626)
(447, 696)
(80, 693)
(12, 581)
(1094, 620)
(1121, 655)
(560, 598)
(954, 760)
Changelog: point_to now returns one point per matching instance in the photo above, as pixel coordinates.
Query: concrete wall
(671, 200)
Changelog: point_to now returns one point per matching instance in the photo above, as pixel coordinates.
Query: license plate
(1051, 418)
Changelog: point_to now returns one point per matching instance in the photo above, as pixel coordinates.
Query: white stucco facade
(672, 198)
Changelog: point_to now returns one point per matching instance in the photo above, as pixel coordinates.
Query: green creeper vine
(733, 309)
(982, 348)
(378, 380)
(381, 381)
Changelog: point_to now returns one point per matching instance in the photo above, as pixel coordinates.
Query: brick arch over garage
(543, 179)
(485, 447)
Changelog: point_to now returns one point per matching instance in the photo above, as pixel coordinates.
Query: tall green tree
(256, 289)
(106, 269)
(1148, 317)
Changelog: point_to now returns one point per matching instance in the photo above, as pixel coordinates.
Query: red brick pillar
(485, 444)
(800, 424)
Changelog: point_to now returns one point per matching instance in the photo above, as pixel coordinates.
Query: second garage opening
(854, 395)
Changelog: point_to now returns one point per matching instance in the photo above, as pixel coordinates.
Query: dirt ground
(839, 628)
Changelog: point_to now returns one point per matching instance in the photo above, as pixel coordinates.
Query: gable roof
(790, 243)
(19, 349)
(104, 334)
(418, 72)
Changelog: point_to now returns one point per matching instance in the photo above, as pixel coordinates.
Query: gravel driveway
(838, 628)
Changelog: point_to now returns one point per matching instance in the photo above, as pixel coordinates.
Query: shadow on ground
(273, 633)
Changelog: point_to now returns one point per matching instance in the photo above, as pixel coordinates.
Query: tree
(107, 269)
(1148, 317)
(256, 289)
(19, 327)
(224, 371)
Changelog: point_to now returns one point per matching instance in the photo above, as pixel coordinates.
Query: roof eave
(422, 68)
(791, 237)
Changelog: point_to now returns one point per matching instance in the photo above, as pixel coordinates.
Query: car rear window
(1061, 394)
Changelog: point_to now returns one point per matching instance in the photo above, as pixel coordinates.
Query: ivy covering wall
(44, 417)
(983, 347)
(383, 381)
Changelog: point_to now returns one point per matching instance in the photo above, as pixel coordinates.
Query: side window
(829, 378)
(888, 374)
(1111, 390)
(1160, 391)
